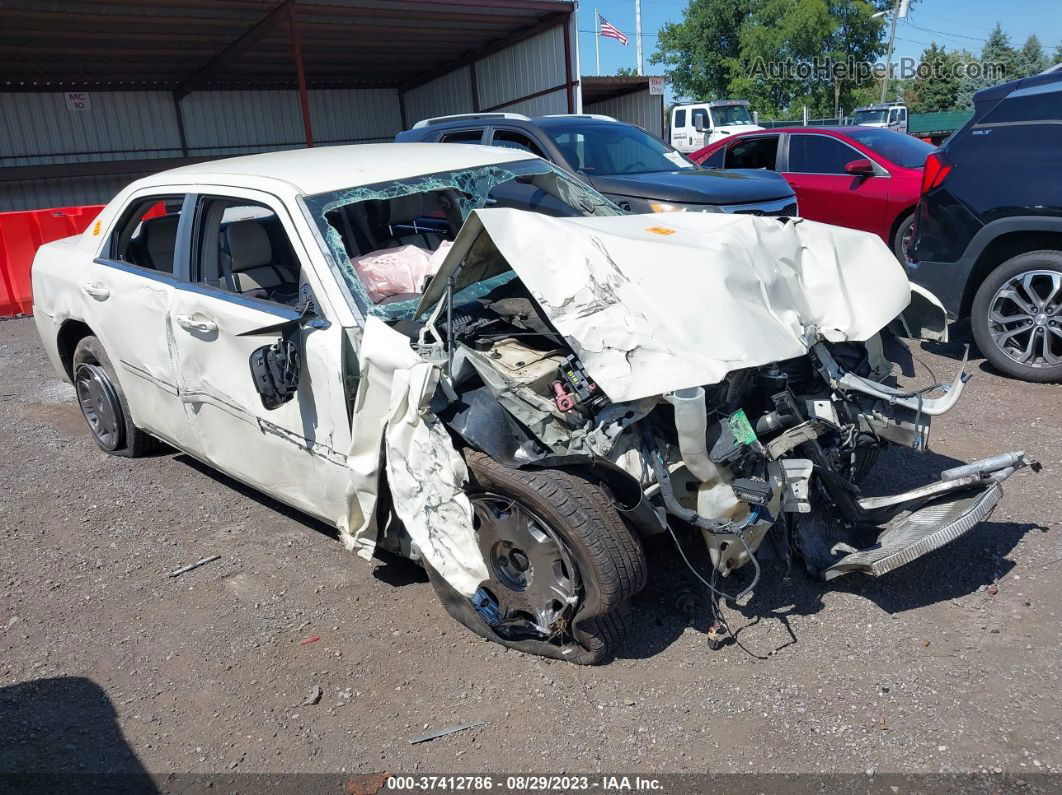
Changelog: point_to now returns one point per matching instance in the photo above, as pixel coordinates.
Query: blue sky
(953, 23)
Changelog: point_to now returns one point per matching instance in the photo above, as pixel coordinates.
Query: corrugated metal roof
(102, 44)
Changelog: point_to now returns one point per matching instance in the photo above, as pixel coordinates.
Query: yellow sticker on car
(661, 230)
(96, 227)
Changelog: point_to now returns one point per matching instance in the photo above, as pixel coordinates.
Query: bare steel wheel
(561, 564)
(103, 403)
(100, 405)
(1017, 316)
(532, 575)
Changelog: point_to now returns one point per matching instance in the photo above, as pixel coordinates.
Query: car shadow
(254, 494)
(674, 600)
(62, 734)
(397, 571)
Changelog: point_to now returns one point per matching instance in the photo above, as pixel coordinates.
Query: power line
(951, 35)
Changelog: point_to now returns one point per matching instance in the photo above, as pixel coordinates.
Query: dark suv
(634, 169)
(988, 229)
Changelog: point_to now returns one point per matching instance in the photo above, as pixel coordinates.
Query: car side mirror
(699, 126)
(860, 167)
(275, 369)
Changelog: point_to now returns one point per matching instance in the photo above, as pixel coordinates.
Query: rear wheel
(103, 403)
(1017, 316)
(901, 240)
(562, 565)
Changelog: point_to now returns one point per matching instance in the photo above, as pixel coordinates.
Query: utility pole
(638, 33)
(597, 40)
(888, 57)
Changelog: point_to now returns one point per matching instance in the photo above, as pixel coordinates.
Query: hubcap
(531, 574)
(1025, 318)
(99, 404)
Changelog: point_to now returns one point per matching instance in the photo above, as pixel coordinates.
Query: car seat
(251, 261)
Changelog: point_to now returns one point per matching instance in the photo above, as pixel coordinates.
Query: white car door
(249, 271)
(128, 290)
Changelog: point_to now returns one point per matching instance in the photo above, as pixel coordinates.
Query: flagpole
(597, 39)
(638, 32)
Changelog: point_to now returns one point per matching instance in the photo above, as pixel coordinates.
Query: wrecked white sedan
(465, 356)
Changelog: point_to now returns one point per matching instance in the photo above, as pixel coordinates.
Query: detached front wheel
(562, 565)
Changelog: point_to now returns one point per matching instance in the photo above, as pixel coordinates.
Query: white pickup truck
(466, 356)
(694, 126)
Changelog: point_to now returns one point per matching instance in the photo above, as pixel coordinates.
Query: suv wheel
(1017, 316)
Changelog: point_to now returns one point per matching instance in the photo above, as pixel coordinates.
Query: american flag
(610, 31)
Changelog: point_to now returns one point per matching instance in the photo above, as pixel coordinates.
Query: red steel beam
(300, 74)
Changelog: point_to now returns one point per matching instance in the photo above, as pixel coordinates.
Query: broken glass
(470, 189)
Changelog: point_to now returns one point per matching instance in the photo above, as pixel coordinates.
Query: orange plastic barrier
(21, 234)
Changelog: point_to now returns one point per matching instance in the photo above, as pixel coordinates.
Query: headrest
(405, 208)
(160, 238)
(248, 245)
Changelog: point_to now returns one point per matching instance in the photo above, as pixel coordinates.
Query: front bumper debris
(922, 520)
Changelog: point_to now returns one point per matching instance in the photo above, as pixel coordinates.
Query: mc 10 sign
(78, 100)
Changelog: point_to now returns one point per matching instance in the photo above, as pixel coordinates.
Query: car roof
(328, 168)
(560, 120)
(838, 131)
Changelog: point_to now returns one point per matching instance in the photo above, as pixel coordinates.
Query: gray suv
(634, 169)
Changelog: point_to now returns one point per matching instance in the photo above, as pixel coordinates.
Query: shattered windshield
(389, 239)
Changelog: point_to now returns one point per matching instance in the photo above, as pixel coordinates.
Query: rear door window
(513, 139)
(147, 234)
(819, 154)
(753, 153)
(680, 118)
(462, 137)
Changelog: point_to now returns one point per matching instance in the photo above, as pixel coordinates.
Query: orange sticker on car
(96, 227)
(660, 230)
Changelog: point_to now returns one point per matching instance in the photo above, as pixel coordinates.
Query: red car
(865, 178)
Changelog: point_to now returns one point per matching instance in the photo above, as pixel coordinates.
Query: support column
(180, 124)
(296, 46)
(473, 86)
(569, 78)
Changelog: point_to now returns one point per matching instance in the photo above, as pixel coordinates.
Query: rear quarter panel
(56, 273)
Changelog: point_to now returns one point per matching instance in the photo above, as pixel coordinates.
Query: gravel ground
(949, 664)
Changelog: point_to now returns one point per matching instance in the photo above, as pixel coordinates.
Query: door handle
(96, 290)
(196, 323)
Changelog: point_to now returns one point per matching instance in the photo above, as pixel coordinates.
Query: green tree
(700, 53)
(1031, 58)
(626, 71)
(999, 62)
(936, 87)
(1058, 53)
(740, 48)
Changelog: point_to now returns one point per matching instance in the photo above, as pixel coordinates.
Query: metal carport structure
(92, 90)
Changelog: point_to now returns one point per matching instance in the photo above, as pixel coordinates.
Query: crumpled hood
(652, 304)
